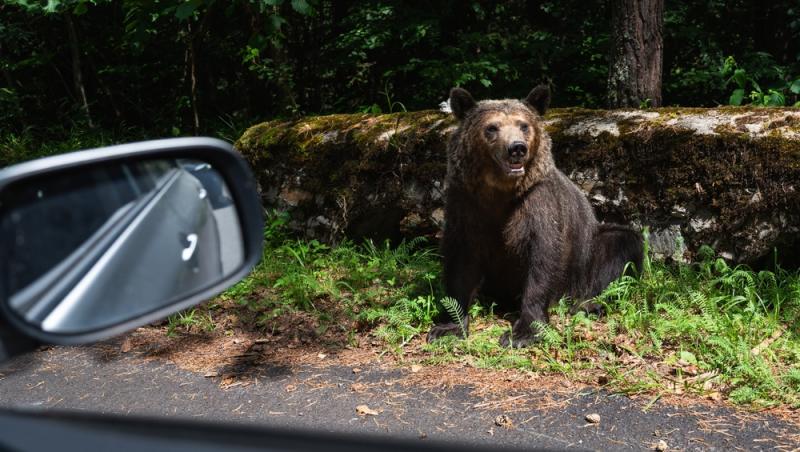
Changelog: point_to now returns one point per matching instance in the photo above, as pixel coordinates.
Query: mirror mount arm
(13, 343)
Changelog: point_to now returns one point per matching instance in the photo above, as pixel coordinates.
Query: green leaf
(795, 88)
(688, 357)
(276, 22)
(775, 99)
(486, 82)
(51, 7)
(302, 7)
(728, 66)
(736, 97)
(79, 9)
(185, 10)
(739, 77)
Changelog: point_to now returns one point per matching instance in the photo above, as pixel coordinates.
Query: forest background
(150, 68)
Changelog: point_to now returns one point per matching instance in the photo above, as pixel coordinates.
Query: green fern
(549, 336)
(456, 313)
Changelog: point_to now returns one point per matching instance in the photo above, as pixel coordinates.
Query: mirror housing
(218, 164)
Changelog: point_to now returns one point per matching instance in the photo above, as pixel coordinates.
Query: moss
(261, 138)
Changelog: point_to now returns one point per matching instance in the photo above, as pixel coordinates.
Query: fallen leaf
(504, 421)
(661, 446)
(768, 341)
(356, 370)
(593, 418)
(126, 345)
(321, 356)
(364, 410)
(699, 188)
(230, 382)
(709, 380)
(358, 387)
(415, 368)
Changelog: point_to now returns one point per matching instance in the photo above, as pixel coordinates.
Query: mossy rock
(726, 177)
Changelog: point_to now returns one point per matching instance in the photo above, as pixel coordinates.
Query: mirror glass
(95, 246)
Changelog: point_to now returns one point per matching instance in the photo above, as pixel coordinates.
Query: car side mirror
(98, 242)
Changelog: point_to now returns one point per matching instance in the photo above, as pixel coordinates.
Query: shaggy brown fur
(515, 226)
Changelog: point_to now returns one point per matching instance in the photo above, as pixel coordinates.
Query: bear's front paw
(445, 329)
(518, 341)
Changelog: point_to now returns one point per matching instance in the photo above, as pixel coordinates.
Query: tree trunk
(9, 79)
(277, 52)
(77, 74)
(10, 82)
(192, 72)
(105, 89)
(634, 75)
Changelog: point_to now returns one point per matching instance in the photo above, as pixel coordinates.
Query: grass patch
(389, 291)
(190, 320)
(707, 328)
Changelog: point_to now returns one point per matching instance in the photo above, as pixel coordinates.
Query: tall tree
(634, 75)
(77, 72)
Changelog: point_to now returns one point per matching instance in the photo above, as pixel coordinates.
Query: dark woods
(173, 67)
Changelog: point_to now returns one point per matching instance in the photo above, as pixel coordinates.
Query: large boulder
(726, 177)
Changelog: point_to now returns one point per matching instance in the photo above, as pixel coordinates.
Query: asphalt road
(324, 399)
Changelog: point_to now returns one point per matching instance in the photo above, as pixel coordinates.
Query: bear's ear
(461, 102)
(539, 99)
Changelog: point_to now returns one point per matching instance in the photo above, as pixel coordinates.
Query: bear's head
(505, 139)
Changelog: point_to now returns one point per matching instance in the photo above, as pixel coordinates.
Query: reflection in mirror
(90, 248)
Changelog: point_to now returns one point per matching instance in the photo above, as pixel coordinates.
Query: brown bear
(515, 226)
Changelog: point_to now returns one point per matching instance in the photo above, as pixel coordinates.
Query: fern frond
(452, 306)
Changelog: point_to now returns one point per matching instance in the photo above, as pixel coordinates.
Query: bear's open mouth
(515, 169)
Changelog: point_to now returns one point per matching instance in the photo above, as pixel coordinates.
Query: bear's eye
(523, 127)
(492, 129)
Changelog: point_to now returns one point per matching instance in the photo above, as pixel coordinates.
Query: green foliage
(699, 35)
(746, 82)
(712, 315)
(151, 65)
(29, 144)
(393, 289)
(191, 320)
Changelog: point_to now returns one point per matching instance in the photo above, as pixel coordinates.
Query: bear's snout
(517, 150)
